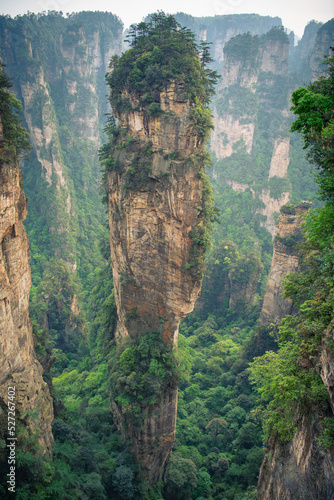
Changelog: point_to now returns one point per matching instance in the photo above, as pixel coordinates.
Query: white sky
(295, 14)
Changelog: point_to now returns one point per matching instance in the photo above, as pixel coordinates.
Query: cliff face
(253, 68)
(60, 80)
(219, 29)
(285, 260)
(298, 470)
(149, 227)
(323, 42)
(19, 367)
(150, 223)
(58, 68)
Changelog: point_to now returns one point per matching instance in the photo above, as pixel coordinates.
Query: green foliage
(215, 429)
(141, 369)
(237, 101)
(326, 439)
(288, 209)
(287, 381)
(289, 390)
(277, 186)
(181, 477)
(52, 306)
(314, 107)
(218, 448)
(236, 49)
(14, 142)
(201, 233)
(161, 52)
(291, 240)
(137, 175)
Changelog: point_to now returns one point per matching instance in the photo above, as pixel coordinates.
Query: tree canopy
(314, 107)
(287, 380)
(161, 50)
(15, 137)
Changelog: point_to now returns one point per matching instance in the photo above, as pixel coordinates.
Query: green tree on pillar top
(162, 51)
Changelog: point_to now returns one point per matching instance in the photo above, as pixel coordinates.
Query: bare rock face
(324, 364)
(323, 43)
(285, 261)
(57, 92)
(19, 367)
(153, 252)
(251, 69)
(298, 470)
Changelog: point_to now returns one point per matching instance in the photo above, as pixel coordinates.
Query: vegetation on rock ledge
(162, 52)
(287, 380)
(15, 137)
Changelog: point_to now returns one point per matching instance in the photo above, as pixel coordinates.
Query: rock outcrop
(322, 45)
(301, 468)
(60, 81)
(298, 470)
(19, 367)
(285, 261)
(152, 216)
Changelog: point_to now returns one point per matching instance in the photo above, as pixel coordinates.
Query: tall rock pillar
(160, 213)
(156, 200)
(285, 261)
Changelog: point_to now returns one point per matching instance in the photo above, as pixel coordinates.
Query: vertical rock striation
(285, 261)
(299, 469)
(61, 82)
(254, 69)
(160, 212)
(151, 247)
(19, 367)
(150, 224)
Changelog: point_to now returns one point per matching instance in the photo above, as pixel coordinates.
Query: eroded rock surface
(19, 367)
(150, 220)
(285, 261)
(298, 470)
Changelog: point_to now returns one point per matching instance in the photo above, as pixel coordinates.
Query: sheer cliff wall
(285, 261)
(58, 67)
(250, 110)
(300, 468)
(19, 367)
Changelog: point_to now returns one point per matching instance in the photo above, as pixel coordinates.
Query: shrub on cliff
(15, 137)
(287, 380)
(141, 370)
(161, 51)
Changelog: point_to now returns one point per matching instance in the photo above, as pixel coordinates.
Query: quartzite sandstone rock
(19, 367)
(299, 469)
(285, 261)
(150, 228)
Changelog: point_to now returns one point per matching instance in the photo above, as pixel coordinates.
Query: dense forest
(240, 385)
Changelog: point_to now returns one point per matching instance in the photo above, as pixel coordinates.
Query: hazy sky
(295, 14)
